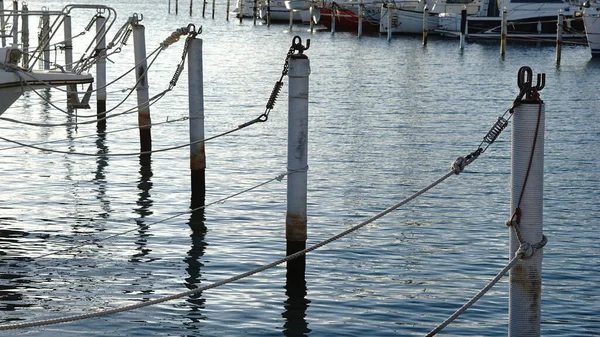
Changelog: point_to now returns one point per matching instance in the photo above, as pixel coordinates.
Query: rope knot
(459, 165)
(527, 250)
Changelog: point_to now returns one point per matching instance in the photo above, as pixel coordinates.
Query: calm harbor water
(386, 119)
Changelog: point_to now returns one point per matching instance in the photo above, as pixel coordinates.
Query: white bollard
(196, 115)
(333, 18)
(141, 76)
(297, 161)
(525, 284)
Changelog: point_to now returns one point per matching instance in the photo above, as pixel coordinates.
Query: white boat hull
(12, 85)
(591, 20)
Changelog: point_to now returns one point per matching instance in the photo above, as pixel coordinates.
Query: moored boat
(15, 80)
(348, 16)
(525, 19)
(591, 20)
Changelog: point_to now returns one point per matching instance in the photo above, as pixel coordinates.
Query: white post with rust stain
(525, 281)
(141, 76)
(101, 71)
(196, 116)
(297, 163)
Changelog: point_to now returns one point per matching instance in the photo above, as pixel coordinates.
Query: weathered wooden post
(333, 18)
(25, 35)
(463, 27)
(196, 117)
(227, 10)
(176, 6)
(559, 35)
(268, 13)
(141, 76)
(213, 9)
(425, 24)
(527, 166)
(503, 32)
(255, 11)
(15, 21)
(360, 18)
(44, 37)
(101, 72)
(2, 24)
(192, 5)
(297, 163)
(68, 43)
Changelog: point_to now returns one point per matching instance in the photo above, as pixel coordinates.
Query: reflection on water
(295, 286)
(196, 302)
(144, 203)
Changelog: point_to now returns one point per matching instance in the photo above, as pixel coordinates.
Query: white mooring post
(525, 284)
(141, 76)
(196, 115)
(297, 161)
(101, 71)
(503, 33)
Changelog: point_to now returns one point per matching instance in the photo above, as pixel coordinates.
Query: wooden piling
(463, 27)
(25, 35)
(425, 24)
(559, 35)
(503, 32)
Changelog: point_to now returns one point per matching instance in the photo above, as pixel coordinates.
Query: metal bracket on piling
(299, 48)
(525, 83)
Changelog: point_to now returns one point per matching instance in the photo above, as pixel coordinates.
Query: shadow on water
(295, 286)
(194, 269)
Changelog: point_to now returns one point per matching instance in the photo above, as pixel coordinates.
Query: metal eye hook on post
(297, 45)
(525, 83)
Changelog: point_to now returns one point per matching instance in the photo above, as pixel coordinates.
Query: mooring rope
(231, 279)
(518, 255)
(102, 133)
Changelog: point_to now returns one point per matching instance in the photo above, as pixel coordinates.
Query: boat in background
(406, 17)
(591, 20)
(525, 19)
(15, 80)
(348, 15)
